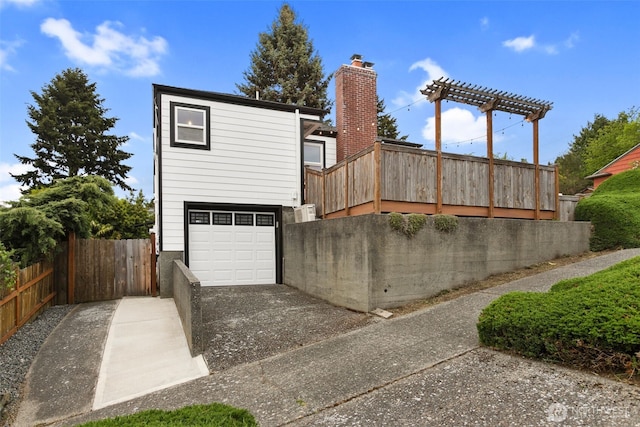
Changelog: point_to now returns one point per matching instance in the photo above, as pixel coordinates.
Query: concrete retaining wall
(165, 271)
(361, 263)
(186, 294)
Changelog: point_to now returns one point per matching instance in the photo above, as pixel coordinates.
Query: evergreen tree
(69, 122)
(387, 126)
(285, 66)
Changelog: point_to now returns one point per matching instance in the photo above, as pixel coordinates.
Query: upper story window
(314, 154)
(190, 126)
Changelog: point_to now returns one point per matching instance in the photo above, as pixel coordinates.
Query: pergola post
(439, 156)
(490, 157)
(536, 162)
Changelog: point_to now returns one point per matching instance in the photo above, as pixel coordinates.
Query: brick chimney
(356, 107)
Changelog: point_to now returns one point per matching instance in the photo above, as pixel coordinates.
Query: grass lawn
(214, 414)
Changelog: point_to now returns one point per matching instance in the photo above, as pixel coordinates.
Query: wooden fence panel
(465, 181)
(313, 190)
(112, 269)
(548, 189)
(408, 176)
(334, 189)
(514, 186)
(32, 293)
(361, 177)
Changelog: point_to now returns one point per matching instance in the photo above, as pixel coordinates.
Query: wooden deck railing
(391, 178)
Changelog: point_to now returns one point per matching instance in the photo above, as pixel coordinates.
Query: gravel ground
(17, 353)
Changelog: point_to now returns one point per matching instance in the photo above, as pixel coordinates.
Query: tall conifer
(285, 66)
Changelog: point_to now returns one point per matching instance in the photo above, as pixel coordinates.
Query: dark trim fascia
(275, 209)
(238, 100)
(157, 116)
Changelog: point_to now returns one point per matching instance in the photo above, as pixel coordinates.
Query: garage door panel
(233, 252)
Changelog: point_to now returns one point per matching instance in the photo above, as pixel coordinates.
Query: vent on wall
(305, 213)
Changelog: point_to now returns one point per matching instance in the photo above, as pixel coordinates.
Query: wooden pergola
(488, 101)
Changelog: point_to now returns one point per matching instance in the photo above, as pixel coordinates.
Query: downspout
(297, 195)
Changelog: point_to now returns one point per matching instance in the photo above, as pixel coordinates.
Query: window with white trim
(190, 126)
(314, 154)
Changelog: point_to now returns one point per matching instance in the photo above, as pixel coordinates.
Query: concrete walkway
(425, 368)
(146, 351)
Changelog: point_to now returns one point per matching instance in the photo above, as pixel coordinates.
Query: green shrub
(409, 224)
(215, 414)
(7, 269)
(445, 223)
(614, 212)
(592, 322)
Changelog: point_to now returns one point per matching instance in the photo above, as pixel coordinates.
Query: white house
(226, 169)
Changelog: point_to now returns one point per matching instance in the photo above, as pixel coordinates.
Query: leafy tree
(70, 125)
(285, 66)
(130, 218)
(613, 140)
(387, 126)
(32, 226)
(571, 165)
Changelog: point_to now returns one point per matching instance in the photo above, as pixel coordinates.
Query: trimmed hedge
(614, 212)
(591, 322)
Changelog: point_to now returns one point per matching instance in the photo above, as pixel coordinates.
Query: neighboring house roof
(237, 99)
(618, 165)
(399, 142)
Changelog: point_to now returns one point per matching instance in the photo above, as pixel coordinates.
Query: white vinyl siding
(254, 158)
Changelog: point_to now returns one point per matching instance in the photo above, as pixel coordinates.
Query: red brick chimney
(356, 107)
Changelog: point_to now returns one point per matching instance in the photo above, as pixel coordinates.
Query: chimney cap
(367, 64)
(356, 57)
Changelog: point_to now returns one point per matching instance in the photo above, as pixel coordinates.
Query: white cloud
(458, 126)
(111, 49)
(9, 188)
(136, 137)
(19, 3)
(520, 44)
(434, 72)
(484, 22)
(7, 49)
(571, 41)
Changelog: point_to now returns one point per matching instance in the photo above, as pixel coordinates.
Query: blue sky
(580, 55)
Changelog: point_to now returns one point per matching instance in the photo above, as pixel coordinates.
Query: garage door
(232, 248)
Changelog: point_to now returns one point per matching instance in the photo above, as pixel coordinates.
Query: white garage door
(232, 248)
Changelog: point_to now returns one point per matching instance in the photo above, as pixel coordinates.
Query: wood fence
(97, 270)
(391, 178)
(33, 292)
(83, 270)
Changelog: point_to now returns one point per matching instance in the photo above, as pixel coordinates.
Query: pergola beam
(486, 99)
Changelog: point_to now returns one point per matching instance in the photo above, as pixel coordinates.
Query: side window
(190, 126)
(314, 154)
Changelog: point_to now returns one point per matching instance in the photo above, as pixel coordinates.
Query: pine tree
(387, 126)
(285, 66)
(69, 122)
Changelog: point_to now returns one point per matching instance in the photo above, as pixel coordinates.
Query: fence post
(18, 311)
(377, 177)
(154, 286)
(71, 268)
